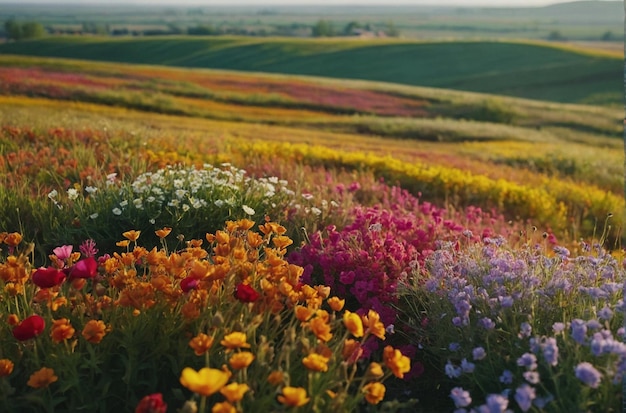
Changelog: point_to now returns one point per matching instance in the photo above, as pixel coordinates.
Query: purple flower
(460, 397)
(588, 374)
(528, 360)
(579, 330)
(541, 402)
(525, 330)
(605, 313)
(454, 347)
(558, 327)
(487, 323)
(531, 376)
(452, 371)
(479, 353)
(506, 377)
(550, 351)
(467, 367)
(496, 403)
(524, 396)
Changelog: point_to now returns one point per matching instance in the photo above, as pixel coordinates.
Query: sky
(489, 3)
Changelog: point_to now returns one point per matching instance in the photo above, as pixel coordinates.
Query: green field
(528, 70)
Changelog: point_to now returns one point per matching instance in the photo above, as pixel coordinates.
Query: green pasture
(528, 70)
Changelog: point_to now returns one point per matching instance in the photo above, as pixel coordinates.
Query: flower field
(202, 241)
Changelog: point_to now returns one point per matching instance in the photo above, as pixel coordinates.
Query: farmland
(183, 231)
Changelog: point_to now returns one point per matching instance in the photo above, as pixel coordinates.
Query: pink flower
(63, 252)
(152, 403)
(188, 284)
(48, 277)
(29, 328)
(85, 268)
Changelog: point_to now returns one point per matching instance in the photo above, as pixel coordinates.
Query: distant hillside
(529, 70)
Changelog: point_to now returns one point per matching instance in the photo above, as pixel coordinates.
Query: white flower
(111, 177)
(248, 210)
(138, 203)
(117, 211)
(185, 207)
(308, 197)
(91, 190)
(219, 203)
(72, 194)
(94, 215)
(53, 194)
(316, 211)
(124, 203)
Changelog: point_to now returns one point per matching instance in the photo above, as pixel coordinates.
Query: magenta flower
(188, 284)
(85, 268)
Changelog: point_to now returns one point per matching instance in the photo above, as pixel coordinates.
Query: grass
(531, 70)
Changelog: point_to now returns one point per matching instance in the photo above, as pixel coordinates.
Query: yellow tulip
(205, 382)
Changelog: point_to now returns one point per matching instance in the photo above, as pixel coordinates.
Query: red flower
(245, 293)
(152, 403)
(188, 284)
(86, 268)
(48, 277)
(29, 328)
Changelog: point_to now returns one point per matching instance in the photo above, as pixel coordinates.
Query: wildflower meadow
(159, 261)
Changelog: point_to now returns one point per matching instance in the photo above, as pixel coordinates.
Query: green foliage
(22, 31)
(323, 28)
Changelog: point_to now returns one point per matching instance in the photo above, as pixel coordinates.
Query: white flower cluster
(184, 189)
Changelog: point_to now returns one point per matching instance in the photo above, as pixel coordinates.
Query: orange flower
(6, 367)
(13, 239)
(234, 391)
(205, 382)
(275, 378)
(163, 232)
(282, 241)
(132, 235)
(353, 323)
(293, 396)
(94, 331)
(42, 378)
(316, 362)
(241, 360)
(352, 351)
(61, 330)
(303, 313)
(374, 392)
(335, 303)
(398, 363)
(235, 340)
(123, 243)
(374, 325)
(223, 407)
(13, 320)
(201, 343)
(321, 329)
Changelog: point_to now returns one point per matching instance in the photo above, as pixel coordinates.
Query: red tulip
(29, 328)
(85, 268)
(48, 277)
(152, 403)
(245, 293)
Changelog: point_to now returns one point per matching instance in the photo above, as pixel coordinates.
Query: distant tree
(608, 36)
(555, 35)
(96, 28)
(13, 29)
(203, 30)
(323, 28)
(391, 30)
(350, 27)
(27, 30)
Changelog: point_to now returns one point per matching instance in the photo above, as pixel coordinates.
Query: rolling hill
(524, 69)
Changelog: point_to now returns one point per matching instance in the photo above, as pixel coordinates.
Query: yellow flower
(321, 329)
(61, 330)
(353, 323)
(293, 396)
(205, 382)
(374, 392)
(201, 343)
(94, 331)
(335, 303)
(223, 407)
(241, 360)
(132, 235)
(303, 313)
(398, 363)
(375, 370)
(316, 362)
(6, 367)
(275, 377)
(42, 378)
(234, 391)
(374, 325)
(235, 340)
